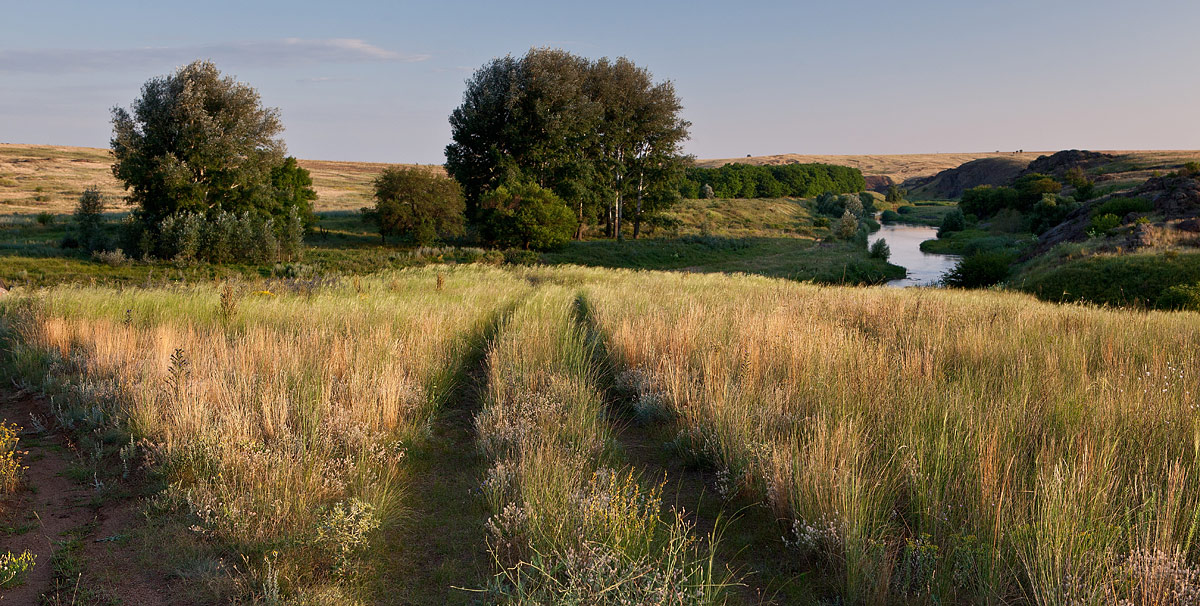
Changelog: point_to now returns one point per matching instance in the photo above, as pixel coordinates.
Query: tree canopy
(595, 133)
(414, 203)
(197, 141)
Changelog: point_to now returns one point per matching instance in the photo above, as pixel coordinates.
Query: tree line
(749, 181)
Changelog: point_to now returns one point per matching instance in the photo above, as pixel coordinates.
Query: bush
(519, 256)
(1102, 224)
(979, 270)
(706, 192)
(847, 226)
(890, 216)
(111, 258)
(952, 222)
(904, 210)
(418, 205)
(1050, 211)
(1123, 206)
(525, 215)
(45, 218)
(821, 222)
(880, 250)
(1181, 296)
(89, 217)
(1139, 279)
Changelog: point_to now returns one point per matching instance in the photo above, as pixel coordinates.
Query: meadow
(851, 445)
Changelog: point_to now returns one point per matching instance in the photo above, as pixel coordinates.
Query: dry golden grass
(280, 419)
(934, 445)
(64, 172)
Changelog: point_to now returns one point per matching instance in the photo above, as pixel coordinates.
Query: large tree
(593, 132)
(199, 141)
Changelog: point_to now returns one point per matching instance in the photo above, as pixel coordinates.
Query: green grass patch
(1139, 279)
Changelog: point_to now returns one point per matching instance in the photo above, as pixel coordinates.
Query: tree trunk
(617, 222)
(579, 226)
(637, 215)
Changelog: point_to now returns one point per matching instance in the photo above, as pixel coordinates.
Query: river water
(924, 269)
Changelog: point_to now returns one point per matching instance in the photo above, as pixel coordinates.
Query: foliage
(293, 190)
(196, 142)
(895, 194)
(524, 215)
(1143, 279)
(14, 568)
(1050, 211)
(1122, 206)
(889, 216)
(953, 221)
(418, 205)
(44, 218)
(798, 180)
(979, 270)
(706, 192)
(1102, 224)
(847, 226)
(226, 238)
(89, 220)
(12, 472)
(595, 133)
(880, 250)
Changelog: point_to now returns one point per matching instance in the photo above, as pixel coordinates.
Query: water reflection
(924, 269)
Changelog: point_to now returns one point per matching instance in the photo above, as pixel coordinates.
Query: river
(924, 269)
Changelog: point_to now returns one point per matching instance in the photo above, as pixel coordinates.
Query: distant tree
(595, 133)
(880, 250)
(196, 141)
(952, 221)
(854, 205)
(526, 215)
(868, 203)
(417, 204)
(847, 226)
(895, 194)
(706, 192)
(89, 220)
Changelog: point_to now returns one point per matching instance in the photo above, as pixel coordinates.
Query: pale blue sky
(376, 80)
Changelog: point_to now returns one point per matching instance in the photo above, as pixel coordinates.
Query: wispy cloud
(263, 53)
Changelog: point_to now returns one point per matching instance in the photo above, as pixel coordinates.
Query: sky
(376, 81)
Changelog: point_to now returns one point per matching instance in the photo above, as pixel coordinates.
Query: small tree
(894, 194)
(880, 250)
(522, 214)
(952, 222)
(847, 226)
(706, 192)
(414, 203)
(89, 220)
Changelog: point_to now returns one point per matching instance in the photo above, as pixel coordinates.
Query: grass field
(890, 446)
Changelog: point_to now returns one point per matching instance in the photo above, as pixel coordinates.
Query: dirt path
(440, 555)
(72, 533)
(750, 551)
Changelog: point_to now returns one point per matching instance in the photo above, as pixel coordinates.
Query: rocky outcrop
(1059, 163)
(953, 182)
(1174, 197)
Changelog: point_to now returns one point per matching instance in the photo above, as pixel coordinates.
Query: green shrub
(14, 568)
(904, 210)
(1181, 296)
(1137, 279)
(1123, 206)
(880, 250)
(979, 270)
(890, 216)
(1102, 224)
(526, 215)
(520, 256)
(952, 222)
(847, 226)
(44, 218)
(821, 222)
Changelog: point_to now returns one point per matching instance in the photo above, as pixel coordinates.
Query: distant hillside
(890, 168)
(951, 183)
(36, 178)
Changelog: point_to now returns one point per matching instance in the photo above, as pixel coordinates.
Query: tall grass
(932, 446)
(570, 524)
(278, 414)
